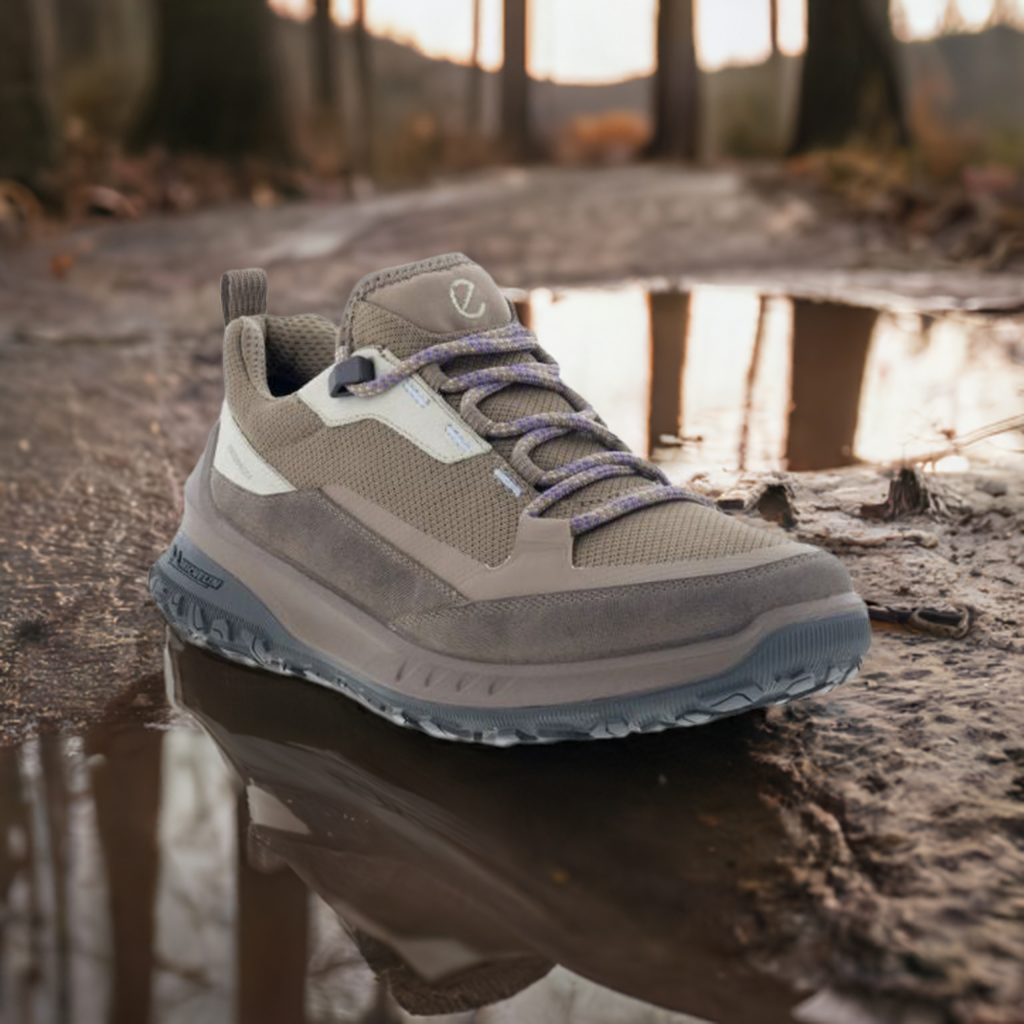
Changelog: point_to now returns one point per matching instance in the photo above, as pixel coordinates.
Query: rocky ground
(904, 789)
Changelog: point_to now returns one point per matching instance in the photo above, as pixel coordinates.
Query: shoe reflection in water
(465, 874)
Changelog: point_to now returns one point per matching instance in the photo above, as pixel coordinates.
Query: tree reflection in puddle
(603, 882)
(757, 382)
(162, 876)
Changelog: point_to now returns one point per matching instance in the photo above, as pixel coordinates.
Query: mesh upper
(457, 503)
(669, 533)
(306, 343)
(675, 531)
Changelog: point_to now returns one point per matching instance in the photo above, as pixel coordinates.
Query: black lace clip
(354, 370)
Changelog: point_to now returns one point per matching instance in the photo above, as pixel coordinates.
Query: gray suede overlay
(586, 624)
(308, 530)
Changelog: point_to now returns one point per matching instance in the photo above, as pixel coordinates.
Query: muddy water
(281, 855)
(756, 374)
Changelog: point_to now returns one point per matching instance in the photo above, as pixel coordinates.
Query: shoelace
(534, 430)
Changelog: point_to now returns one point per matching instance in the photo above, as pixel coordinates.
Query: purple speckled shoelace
(535, 430)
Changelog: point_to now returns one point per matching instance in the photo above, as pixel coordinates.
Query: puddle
(273, 864)
(769, 383)
(282, 855)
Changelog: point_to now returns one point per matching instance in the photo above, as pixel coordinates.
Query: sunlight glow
(587, 42)
(587, 332)
(918, 19)
(442, 29)
(596, 42)
(732, 32)
(792, 27)
(723, 321)
(919, 386)
(975, 13)
(925, 19)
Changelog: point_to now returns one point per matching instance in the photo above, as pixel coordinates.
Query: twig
(959, 444)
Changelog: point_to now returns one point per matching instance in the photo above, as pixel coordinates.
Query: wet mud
(863, 851)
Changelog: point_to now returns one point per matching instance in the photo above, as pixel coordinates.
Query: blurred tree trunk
(324, 77)
(102, 60)
(27, 123)
(676, 83)
(475, 78)
(328, 142)
(773, 24)
(850, 92)
(367, 96)
(515, 93)
(215, 89)
(79, 28)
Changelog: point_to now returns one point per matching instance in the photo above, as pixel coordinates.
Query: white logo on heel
(462, 301)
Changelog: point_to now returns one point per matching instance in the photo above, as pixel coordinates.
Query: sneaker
(414, 508)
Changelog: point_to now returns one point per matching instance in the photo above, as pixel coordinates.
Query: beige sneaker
(414, 509)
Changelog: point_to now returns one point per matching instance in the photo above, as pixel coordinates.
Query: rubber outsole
(210, 608)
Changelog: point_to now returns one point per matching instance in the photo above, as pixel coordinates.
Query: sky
(596, 41)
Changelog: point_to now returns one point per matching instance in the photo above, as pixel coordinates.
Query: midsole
(361, 645)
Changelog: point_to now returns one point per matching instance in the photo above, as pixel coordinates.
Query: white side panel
(410, 408)
(238, 461)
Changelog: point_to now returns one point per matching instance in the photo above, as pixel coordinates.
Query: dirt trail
(905, 788)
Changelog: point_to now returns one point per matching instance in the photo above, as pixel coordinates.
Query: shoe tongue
(453, 295)
(443, 295)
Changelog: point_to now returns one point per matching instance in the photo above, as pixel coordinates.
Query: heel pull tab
(243, 293)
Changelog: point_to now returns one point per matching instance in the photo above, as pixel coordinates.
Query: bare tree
(215, 88)
(475, 78)
(367, 94)
(515, 92)
(101, 60)
(27, 125)
(325, 82)
(328, 122)
(850, 91)
(676, 83)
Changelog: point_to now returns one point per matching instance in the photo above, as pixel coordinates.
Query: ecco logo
(461, 293)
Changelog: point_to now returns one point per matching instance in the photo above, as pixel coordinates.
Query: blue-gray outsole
(791, 662)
